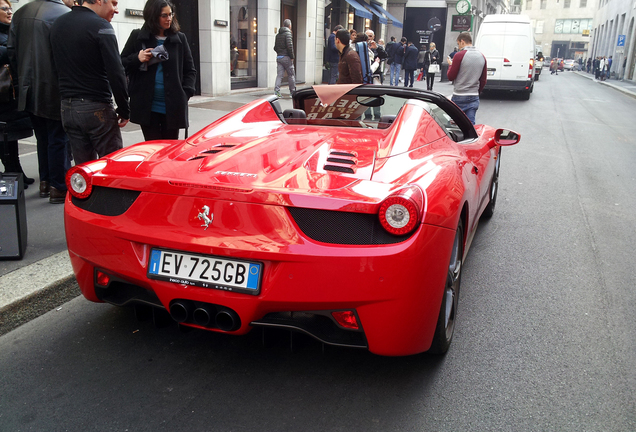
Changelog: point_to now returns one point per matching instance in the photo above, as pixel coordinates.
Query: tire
(494, 188)
(536, 77)
(448, 311)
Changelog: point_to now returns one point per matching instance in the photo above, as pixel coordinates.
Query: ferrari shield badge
(206, 217)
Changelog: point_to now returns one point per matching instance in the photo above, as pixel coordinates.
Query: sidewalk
(624, 86)
(44, 278)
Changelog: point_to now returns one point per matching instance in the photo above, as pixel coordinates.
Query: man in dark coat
(410, 64)
(90, 74)
(32, 64)
(284, 47)
(349, 68)
(178, 74)
(333, 55)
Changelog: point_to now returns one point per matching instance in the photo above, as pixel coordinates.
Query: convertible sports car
(347, 218)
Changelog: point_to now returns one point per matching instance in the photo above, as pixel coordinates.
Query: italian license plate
(491, 72)
(205, 271)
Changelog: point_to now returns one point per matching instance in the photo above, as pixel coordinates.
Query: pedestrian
(30, 49)
(284, 47)
(234, 56)
(349, 67)
(420, 63)
(390, 52)
(397, 60)
(353, 34)
(410, 64)
(379, 56)
(589, 64)
(452, 55)
(608, 66)
(554, 66)
(333, 55)
(18, 124)
(160, 113)
(468, 72)
(91, 74)
(432, 58)
(601, 68)
(597, 71)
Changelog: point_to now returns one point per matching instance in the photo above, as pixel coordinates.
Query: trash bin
(443, 73)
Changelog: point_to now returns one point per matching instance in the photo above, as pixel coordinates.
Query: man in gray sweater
(468, 72)
(284, 47)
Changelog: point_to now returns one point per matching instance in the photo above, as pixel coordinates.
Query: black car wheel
(446, 319)
(494, 187)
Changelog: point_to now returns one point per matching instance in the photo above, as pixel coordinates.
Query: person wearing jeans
(468, 104)
(91, 127)
(468, 72)
(284, 48)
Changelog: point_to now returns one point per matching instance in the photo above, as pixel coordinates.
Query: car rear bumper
(508, 85)
(395, 290)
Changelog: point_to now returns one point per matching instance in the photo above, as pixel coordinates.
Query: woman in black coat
(159, 92)
(18, 124)
(431, 57)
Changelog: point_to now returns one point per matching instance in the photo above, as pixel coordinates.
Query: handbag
(7, 92)
(433, 68)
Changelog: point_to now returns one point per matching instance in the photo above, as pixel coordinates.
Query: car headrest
(386, 121)
(295, 116)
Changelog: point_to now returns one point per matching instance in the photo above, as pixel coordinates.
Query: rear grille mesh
(107, 201)
(345, 228)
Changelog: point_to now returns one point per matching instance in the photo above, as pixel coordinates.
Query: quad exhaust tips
(204, 315)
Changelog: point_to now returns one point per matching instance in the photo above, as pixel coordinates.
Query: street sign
(621, 40)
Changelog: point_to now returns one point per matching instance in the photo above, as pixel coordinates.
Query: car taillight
(78, 182)
(79, 178)
(400, 213)
(531, 68)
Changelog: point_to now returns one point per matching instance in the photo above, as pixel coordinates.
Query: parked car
(569, 64)
(546, 61)
(311, 219)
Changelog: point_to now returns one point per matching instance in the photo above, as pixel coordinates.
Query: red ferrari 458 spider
(347, 218)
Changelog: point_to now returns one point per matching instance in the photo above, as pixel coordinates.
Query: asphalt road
(545, 338)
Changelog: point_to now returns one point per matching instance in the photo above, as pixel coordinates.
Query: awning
(360, 10)
(377, 13)
(394, 20)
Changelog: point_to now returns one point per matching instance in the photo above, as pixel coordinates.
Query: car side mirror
(506, 137)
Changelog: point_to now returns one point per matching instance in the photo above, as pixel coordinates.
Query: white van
(507, 42)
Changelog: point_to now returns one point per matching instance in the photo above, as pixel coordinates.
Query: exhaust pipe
(202, 316)
(179, 311)
(227, 320)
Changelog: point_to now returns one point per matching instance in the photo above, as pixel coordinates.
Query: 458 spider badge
(206, 217)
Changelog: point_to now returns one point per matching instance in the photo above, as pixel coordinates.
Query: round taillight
(399, 215)
(78, 183)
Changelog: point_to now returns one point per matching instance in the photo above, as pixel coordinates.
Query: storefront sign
(462, 23)
(220, 23)
(135, 13)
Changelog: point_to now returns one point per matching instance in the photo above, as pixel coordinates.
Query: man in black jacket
(38, 92)
(89, 67)
(284, 47)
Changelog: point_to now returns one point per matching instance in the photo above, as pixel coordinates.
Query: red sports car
(347, 218)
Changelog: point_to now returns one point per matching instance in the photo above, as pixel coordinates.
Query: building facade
(562, 28)
(613, 34)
